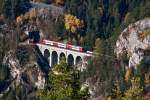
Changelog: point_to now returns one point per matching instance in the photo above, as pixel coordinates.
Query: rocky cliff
(27, 67)
(40, 17)
(135, 42)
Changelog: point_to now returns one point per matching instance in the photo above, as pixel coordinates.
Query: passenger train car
(62, 45)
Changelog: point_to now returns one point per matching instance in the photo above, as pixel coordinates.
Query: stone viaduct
(54, 54)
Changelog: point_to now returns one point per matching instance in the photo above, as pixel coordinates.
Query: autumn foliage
(61, 2)
(72, 23)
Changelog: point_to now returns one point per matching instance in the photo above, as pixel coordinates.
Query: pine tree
(13, 8)
(64, 81)
(1, 6)
(117, 91)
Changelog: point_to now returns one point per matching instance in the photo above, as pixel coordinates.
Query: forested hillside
(102, 26)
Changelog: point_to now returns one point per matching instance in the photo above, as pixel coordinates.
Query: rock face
(25, 67)
(40, 17)
(54, 10)
(135, 41)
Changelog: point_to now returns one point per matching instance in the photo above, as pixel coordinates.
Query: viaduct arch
(54, 55)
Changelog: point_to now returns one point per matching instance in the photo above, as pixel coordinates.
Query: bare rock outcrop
(135, 42)
(26, 67)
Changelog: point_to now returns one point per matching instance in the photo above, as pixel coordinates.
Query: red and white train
(62, 45)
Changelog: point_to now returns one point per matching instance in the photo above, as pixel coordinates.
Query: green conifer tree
(64, 84)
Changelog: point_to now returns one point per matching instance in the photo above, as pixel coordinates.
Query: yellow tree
(73, 24)
(135, 90)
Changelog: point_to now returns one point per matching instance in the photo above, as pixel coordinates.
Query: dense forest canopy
(92, 24)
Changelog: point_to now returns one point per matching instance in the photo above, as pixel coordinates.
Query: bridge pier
(58, 61)
(50, 60)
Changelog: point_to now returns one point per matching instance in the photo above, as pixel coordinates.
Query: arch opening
(70, 60)
(54, 59)
(62, 57)
(46, 55)
(78, 60)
